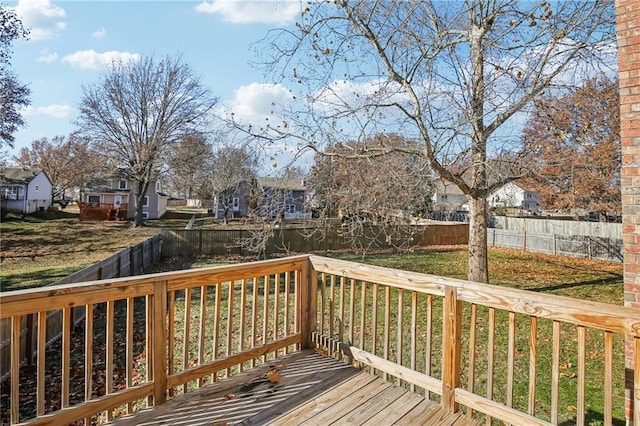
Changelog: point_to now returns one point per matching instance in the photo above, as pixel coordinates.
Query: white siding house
(513, 195)
(448, 197)
(25, 189)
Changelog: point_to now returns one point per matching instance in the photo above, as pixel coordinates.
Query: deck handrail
(177, 330)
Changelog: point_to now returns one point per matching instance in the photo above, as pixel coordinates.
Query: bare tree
(69, 161)
(13, 94)
(377, 193)
(187, 167)
(139, 110)
(452, 75)
(230, 171)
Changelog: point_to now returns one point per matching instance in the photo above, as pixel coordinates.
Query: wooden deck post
(307, 303)
(160, 343)
(451, 326)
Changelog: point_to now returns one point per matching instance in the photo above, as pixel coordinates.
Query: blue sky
(72, 41)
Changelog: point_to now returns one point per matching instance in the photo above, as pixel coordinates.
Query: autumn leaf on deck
(274, 376)
(230, 397)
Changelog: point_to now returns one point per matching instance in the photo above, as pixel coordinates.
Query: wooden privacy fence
(187, 242)
(501, 354)
(602, 248)
(129, 261)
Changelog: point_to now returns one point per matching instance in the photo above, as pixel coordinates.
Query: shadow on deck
(312, 390)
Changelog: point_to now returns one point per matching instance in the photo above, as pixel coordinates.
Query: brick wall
(628, 33)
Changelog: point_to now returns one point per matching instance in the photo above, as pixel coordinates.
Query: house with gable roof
(115, 195)
(24, 189)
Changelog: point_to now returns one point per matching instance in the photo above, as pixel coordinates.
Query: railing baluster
(254, 317)
(276, 307)
(491, 345)
(341, 309)
(473, 323)
(265, 314)
(608, 378)
(229, 347)
(387, 324)
(533, 360)
(511, 354)
(149, 342)
(363, 311)
(555, 372)
(323, 285)
(414, 333)
(216, 326)
(243, 302)
(332, 306)
(129, 348)
(40, 363)
(66, 356)
(428, 351)
(202, 329)
(15, 368)
(352, 312)
(399, 331)
(108, 376)
(287, 301)
(582, 339)
(171, 346)
(186, 335)
(374, 320)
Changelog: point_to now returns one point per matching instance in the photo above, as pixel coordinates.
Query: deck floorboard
(312, 390)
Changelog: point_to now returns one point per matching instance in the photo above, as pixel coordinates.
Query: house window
(14, 193)
(145, 215)
(146, 201)
(291, 208)
(37, 188)
(158, 186)
(93, 199)
(236, 203)
(444, 197)
(122, 184)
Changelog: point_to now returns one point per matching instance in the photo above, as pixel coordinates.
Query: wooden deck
(312, 390)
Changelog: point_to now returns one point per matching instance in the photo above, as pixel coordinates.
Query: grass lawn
(568, 276)
(38, 251)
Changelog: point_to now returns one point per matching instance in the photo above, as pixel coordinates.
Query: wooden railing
(147, 338)
(508, 355)
(501, 354)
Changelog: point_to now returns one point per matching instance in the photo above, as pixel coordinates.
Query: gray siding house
(24, 189)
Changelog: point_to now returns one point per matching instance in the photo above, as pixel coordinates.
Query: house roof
(18, 175)
(294, 184)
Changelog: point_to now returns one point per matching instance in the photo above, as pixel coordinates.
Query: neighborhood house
(24, 189)
(264, 197)
(114, 199)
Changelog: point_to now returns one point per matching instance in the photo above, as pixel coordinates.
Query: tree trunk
(140, 192)
(478, 269)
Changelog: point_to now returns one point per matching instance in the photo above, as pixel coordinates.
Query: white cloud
(99, 34)
(41, 17)
(92, 60)
(46, 57)
(55, 110)
(257, 101)
(247, 12)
